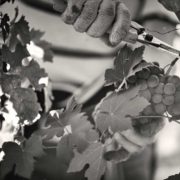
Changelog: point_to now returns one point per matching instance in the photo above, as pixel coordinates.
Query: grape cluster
(163, 92)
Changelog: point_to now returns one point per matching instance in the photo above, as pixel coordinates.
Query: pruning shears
(148, 39)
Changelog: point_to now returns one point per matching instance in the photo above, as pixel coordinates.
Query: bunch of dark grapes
(162, 91)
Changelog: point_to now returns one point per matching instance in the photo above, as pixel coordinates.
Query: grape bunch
(162, 91)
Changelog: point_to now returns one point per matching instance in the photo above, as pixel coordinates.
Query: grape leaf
(81, 129)
(4, 25)
(32, 70)
(57, 120)
(174, 177)
(82, 132)
(124, 63)
(34, 146)
(34, 73)
(25, 103)
(21, 160)
(173, 5)
(9, 82)
(36, 36)
(114, 109)
(64, 149)
(93, 156)
(19, 32)
(48, 53)
(14, 58)
(15, 157)
(52, 127)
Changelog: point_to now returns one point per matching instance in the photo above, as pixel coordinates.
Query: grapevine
(122, 124)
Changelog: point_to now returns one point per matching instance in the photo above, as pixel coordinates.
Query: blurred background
(80, 61)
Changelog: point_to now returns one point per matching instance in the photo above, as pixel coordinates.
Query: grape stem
(171, 66)
(124, 82)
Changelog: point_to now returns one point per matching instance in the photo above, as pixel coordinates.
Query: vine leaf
(4, 25)
(19, 32)
(64, 150)
(114, 109)
(48, 53)
(93, 156)
(51, 128)
(36, 36)
(21, 160)
(14, 59)
(31, 70)
(9, 82)
(174, 177)
(34, 146)
(34, 73)
(81, 130)
(172, 5)
(25, 103)
(124, 64)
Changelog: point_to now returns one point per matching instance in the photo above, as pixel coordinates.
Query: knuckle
(108, 11)
(89, 14)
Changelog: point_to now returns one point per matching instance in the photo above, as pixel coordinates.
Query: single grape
(168, 100)
(162, 78)
(153, 81)
(139, 74)
(169, 88)
(159, 89)
(152, 90)
(146, 94)
(159, 108)
(155, 70)
(177, 96)
(174, 109)
(156, 63)
(139, 64)
(148, 110)
(175, 80)
(132, 79)
(143, 84)
(144, 73)
(156, 98)
(170, 109)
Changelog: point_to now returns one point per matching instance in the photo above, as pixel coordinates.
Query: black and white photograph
(89, 89)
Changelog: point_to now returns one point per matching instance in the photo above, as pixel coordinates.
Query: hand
(97, 17)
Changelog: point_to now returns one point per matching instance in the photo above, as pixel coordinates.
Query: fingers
(121, 26)
(88, 15)
(72, 11)
(97, 17)
(104, 19)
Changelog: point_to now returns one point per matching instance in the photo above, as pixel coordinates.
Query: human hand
(98, 17)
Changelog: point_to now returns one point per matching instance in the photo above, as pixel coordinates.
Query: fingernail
(115, 39)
